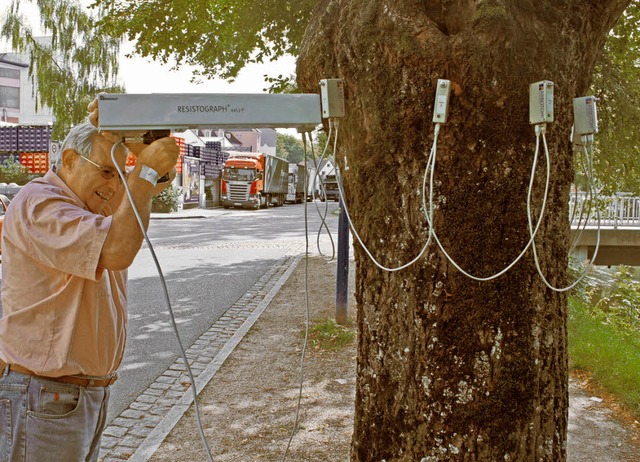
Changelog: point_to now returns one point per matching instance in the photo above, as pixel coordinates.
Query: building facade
(17, 92)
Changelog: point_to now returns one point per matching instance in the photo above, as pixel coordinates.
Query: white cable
(306, 300)
(535, 253)
(166, 296)
(323, 217)
(588, 167)
(531, 181)
(353, 229)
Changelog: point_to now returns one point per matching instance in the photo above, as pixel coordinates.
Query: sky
(140, 75)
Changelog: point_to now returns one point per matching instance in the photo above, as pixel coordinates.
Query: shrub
(618, 303)
(12, 171)
(168, 200)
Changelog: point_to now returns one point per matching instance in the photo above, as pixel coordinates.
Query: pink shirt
(62, 314)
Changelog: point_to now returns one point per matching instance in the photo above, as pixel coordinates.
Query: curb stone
(139, 430)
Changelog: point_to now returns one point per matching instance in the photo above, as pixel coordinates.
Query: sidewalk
(249, 404)
(249, 407)
(190, 213)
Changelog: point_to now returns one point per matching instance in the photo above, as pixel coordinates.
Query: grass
(328, 335)
(611, 357)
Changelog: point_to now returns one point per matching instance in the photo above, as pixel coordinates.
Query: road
(208, 264)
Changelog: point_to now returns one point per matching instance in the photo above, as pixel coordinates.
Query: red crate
(36, 162)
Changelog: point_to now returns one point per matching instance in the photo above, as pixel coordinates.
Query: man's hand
(113, 137)
(161, 155)
(93, 113)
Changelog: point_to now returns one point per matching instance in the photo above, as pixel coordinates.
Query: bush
(604, 332)
(12, 171)
(618, 303)
(611, 357)
(168, 200)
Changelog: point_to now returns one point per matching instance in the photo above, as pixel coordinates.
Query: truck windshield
(242, 174)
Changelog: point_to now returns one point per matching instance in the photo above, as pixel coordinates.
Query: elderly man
(67, 242)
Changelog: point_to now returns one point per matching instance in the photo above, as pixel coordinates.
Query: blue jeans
(44, 420)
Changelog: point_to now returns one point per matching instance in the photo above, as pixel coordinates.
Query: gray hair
(80, 139)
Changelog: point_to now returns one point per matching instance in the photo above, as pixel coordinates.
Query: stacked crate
(8, 139)
(183, 152)
(192, 151)
(34, 139)
(36, 162)
(27, 144)
(214, 159)
(9, 157)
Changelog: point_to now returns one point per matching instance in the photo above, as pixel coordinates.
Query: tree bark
(450, 368)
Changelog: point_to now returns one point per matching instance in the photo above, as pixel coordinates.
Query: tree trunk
(450, 368)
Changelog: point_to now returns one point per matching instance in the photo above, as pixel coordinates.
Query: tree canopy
(616, 84)
(76, 62)
(289, 147)
(220, 37)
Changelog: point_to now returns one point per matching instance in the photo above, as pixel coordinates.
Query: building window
(9, 73)
(10, 97)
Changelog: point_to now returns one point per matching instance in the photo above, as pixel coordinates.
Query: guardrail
(616, 211)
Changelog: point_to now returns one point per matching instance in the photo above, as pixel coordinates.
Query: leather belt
(72, 379)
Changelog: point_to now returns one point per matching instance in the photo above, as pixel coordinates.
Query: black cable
(166, 297)
(306, 302)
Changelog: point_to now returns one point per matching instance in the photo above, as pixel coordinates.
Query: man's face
(89, 182)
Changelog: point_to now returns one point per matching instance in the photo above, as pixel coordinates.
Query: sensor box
(541, 102)
(441, 105)
(332, 98)
(585, 115)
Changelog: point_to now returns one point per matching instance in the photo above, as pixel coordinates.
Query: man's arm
(125, 237)
(121, 195)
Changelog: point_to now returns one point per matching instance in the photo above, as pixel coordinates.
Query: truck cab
(253, 180)
(330, 191)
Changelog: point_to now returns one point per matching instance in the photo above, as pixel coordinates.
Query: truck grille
(238, 192)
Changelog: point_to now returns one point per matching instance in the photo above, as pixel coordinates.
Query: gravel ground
(249, 407)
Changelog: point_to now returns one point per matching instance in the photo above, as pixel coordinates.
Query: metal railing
(616, 211)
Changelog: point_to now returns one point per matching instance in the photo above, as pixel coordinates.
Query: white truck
(295, 184)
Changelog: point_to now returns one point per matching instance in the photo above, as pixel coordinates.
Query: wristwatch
(149, 174)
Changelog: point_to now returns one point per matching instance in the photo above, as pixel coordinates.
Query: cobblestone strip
(139, 430)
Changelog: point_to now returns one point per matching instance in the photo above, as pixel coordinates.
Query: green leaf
(616, 84)
(220, 37)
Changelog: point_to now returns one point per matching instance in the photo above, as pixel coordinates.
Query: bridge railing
(616, 211)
